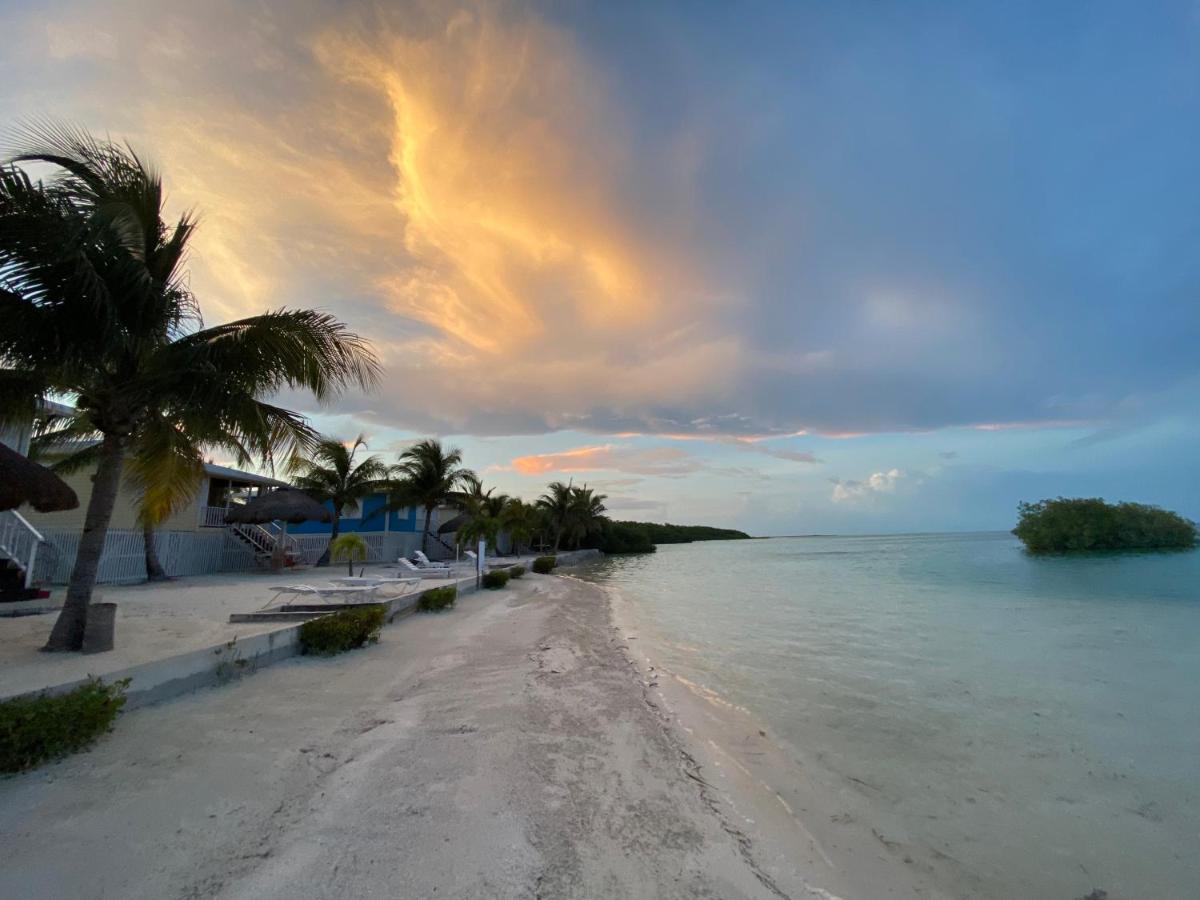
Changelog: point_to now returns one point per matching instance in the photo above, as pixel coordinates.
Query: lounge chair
(423, 571)
(404, 585)
(325, 593)
(424, 562)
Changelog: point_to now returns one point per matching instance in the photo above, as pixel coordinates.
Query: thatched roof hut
(283, 504)
(24, 481)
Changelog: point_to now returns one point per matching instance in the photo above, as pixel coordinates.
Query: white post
(479, 563)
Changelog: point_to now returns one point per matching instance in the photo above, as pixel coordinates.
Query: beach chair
(324, 593)
(424, 562)
(424, 571)
(403, 585)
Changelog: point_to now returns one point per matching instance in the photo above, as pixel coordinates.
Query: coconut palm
(428, 475)
(485, 516)
(330, 475)
(556, 503)
(585, 514)
(95, 303)
(520, 520)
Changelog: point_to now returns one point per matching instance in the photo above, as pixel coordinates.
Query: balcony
(213, 516)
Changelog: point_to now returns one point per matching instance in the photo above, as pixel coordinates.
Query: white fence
(191, 552)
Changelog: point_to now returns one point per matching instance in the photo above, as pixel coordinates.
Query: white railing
(19, 542)
(213, 516)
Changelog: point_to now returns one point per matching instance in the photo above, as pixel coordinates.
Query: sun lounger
(325, 593)
(404, 585)
(424, 562)
(429, 571)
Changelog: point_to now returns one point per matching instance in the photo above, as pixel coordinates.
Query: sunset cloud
(663, 461)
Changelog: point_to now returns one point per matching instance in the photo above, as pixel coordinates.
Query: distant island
(1081, 525)
(642, 537)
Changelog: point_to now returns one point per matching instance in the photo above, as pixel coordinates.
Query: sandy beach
(509, 748)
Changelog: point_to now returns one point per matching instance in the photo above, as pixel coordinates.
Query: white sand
(154, 621)
(507, 748)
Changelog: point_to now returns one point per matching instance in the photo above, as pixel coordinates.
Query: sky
(793, 268)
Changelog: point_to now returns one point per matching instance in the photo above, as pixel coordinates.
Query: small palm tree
(350, 547)
(331, 475)
(428, 475)
(557, 504)
(95, 303)
(485, 517)
(520, 520)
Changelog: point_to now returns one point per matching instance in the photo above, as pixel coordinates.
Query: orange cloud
(665, 461)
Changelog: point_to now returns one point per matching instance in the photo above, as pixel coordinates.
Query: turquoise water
(1035, 720)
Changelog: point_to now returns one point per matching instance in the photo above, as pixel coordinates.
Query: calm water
(1037, 720)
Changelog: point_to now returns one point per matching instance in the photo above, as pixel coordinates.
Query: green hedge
(544, 565)
(516, 571)
(342, 631)
(438, 598)
(35, 729)
(495, 579)
(1079, 525)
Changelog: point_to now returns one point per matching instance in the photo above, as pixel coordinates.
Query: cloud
(661, 461)
(877, 483)
(542, 228)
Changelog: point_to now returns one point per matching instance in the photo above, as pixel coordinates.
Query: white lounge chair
(379, 582)
(424, 562)
(325, 593)
(431, 571)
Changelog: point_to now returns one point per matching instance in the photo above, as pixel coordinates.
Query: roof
(215, 471)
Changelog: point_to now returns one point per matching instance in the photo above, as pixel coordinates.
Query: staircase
(261, 540)
(19, 545)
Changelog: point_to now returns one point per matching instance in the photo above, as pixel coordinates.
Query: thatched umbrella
(285, 505)
(24, 481)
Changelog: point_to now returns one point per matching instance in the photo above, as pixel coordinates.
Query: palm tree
(485, 515)
(520, 520)
(330, 475)
(95, 304)
(350, 547)
(585, 514)
(557, 504)
(429, 475)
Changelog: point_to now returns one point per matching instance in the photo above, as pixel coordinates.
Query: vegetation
(495, 579)
(515, 571)
(342, 631)
(685, 534)
(350, 547)
(544, 565)
(96, 305)
(35, 729)
(573, 513)
(485, 514)
(429, 475)
(1076, 525)
(622, 537)
(331, 475)
(438, 598)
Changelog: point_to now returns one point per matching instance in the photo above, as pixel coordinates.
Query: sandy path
(504, 749)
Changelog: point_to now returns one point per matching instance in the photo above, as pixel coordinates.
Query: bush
(438, 598)
(516, 571)
(495, 579)
(623, 537)
(1079, 525)
(35, 729)
(342, 631)
(544, 565)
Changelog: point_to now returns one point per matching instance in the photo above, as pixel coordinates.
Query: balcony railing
(213, 516)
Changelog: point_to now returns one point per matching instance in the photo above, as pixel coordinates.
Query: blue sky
(794, 268)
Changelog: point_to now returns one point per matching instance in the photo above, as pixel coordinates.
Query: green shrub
(1079, 525)
(438, 598)
(544, 565)
(495, 579)
(622, 537)
(516, 571)
(35, 729)
(342, 631)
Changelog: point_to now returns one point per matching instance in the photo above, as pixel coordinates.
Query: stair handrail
(21, 543)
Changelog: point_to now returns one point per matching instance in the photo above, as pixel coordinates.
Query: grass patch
(342, 631)
(438, 598)
(35, 729)
(516, 571)
(495, 579)
(544, 565)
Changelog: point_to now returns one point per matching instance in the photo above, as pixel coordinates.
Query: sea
(1034, 719)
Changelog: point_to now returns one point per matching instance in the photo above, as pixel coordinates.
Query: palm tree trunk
(425, 533)
(333, 533)
(154, 569)
(67, 633)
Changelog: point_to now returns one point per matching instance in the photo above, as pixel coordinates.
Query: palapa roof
(24, 481)
(285, 504)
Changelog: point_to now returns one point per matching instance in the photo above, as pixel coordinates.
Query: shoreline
(811, 831)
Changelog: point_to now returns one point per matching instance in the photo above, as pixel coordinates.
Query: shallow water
(1035, 720)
